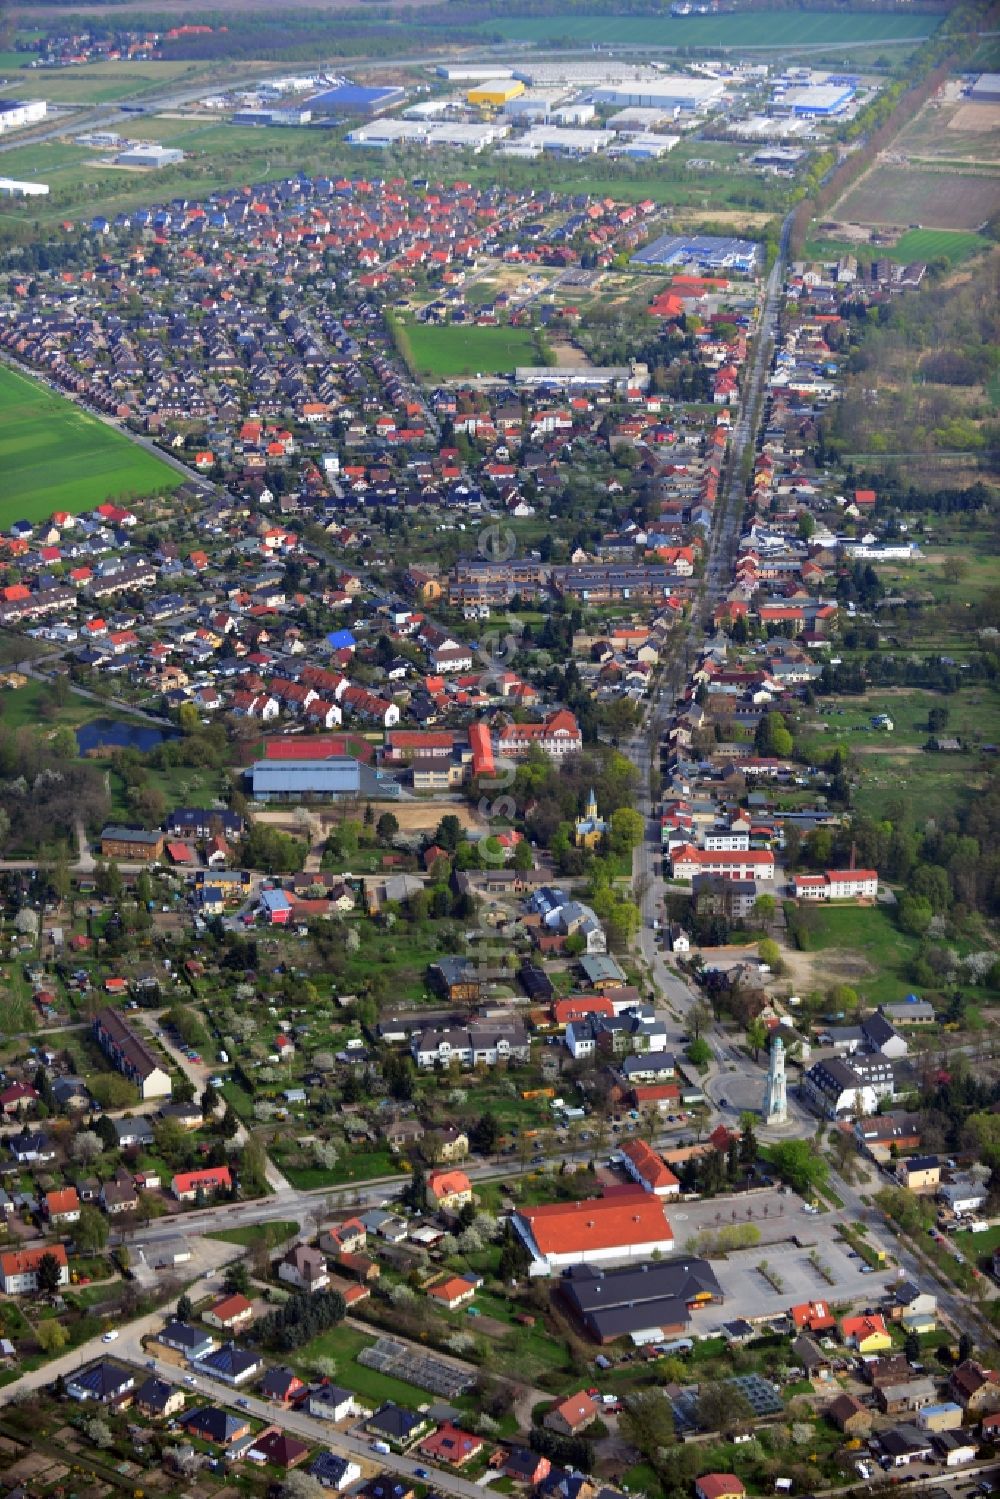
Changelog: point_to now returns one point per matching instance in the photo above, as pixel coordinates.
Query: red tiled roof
(630, 1216)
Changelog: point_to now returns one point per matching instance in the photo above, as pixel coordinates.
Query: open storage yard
(57, 457)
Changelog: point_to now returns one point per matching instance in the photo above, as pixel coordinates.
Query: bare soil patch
(901, 196)
(977, 117)
(567, 354)
(821, 970)
(413, 817)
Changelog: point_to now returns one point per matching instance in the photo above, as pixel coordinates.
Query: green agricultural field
(54, 456)
(97, 83)
(779, 29)
(440, 352)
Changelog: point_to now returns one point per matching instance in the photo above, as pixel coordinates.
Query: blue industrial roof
(706, 249)
(353, 96)
(340, 773)
(275, 900)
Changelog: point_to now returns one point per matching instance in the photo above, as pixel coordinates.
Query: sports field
(448, 351)
(778, 29)
(953, 245)
(53, 456)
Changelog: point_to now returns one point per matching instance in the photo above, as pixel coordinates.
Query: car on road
(723, 1103)
(110, 1335)
(190, 1379)
(243, 1403)
(421, 1473)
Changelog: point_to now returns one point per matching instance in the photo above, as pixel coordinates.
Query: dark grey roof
(104, 1380)
(652, 1294)
(154, 1392)
(394, 1421)
(329, 1468)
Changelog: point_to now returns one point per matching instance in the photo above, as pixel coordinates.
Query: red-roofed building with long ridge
(627, 1223)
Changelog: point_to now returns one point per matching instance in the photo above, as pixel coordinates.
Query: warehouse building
(9, 188)
(669, 92)
(986, 89)
(577, 113)
(710, 252)
(537, 105)
(280, 117)
(355, 99)
(495, 93)
(638, 121)
(646, 147)
(465, 72)
(567, 142)
(819, 101)
(15, 114)
(150, 155)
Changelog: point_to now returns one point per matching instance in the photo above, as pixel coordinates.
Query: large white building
(670, 92)
(567, 142)
(9, 188)
(148, 154)
(837, 884)
(15, 114)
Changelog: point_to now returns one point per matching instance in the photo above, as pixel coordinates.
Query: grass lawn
(353, 1167)
(444, 351)
(343, 1344)
(953, 245)
(55, 456)
(784, 29)
(870, 934)
(897, 764)
(270, 1233)
(975, 1246)
(33, 705)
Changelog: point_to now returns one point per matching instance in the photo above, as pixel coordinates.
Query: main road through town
(644, 749)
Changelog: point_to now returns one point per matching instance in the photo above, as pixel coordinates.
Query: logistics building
(670, 92)
(15, 114)
(354, 99)
(495, 93)
(149, 154)
(986, 89)
(819, 101)
(9, 188)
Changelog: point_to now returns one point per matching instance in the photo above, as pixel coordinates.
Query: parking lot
(777, 1215)
(749, 1294)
